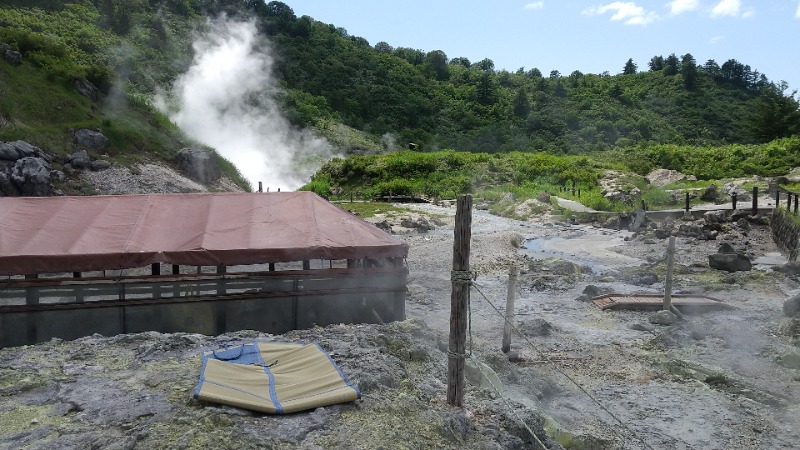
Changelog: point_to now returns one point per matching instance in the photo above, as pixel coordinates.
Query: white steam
(227, 100)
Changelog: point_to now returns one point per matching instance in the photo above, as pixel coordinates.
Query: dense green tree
(689, 71)
(774, 114)
(672, 65)
(630, 67)
(656, 63)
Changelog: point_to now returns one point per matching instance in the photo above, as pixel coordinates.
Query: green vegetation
(447, 173)
(525, 132)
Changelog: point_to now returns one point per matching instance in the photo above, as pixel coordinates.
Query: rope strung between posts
(468, 277)
(558, 369)
(463, 276)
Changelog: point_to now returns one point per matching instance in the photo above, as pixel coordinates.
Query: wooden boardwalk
(654, 302)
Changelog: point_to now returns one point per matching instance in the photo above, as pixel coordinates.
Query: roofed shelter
(266, 261)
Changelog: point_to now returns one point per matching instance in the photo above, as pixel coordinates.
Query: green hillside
(368, 98)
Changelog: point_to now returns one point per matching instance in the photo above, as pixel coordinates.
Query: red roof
(76, 234)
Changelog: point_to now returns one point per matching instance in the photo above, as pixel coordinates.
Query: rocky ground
(578, 377)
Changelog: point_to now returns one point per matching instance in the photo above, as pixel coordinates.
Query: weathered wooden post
(260, 187)
(777, 198)
(796, 196)
(668, 280)
(788, 202)
(755, 200)
(512, 290)
(459, 301)
(733, 200)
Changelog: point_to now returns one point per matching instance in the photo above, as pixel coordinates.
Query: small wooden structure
(655, 302)
(75, 266)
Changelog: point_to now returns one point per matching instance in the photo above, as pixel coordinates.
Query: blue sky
(590, 36)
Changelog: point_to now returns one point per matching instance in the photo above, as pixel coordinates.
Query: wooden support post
(733, 201)
(777, 198)
(788, 201)
(512, 290)
(459, 301)
(796, 196)
(176, 269)
(155, 269)
(271, 267)
(755, 200)
(668, 280)
(260, 187)
(306, 265)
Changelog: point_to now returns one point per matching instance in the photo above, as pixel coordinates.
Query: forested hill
(408, 95)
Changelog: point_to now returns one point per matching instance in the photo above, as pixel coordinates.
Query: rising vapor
(227, 100)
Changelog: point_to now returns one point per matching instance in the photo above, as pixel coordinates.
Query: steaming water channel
(585, 249)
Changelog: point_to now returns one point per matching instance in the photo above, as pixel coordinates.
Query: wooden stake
(512, 290)
(459, 301)
(668, 281)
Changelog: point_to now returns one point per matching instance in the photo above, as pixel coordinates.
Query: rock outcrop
(24, 170)
(199, 165)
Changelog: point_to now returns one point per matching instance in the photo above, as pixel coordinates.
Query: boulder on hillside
(664, 177)
(199, 165)
(11, 56)
(24, 170)
(91, 139)
(31, 176)
(86, 88)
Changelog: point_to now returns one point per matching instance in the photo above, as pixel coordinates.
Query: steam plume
(227, 100)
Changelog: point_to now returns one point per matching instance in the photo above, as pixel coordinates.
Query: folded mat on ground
(274, 378)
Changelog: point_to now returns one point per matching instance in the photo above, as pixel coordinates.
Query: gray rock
(726, 248)
(730, 262)
(543, 197)
(86, 88)
(12, 151)
(710, 194)
(100, 164)
(714, 217)
(741, 194)
(11, 56)
(644, 279)
(791, 268)
(385, 226)
(791, 307)
(31, 175)
(535, 327)
(80, 160)
(790, 360)
(91, 139)
(593, 291)
(640, 326)
(638, 220)
(663, 318)
(199, 165)
(583, 298)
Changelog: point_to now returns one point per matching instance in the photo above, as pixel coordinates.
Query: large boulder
(730, 262)
(791, 307)
(199, 165)
(24, 170)
(86, 88)
(31, 176)
(734, 189)
(91, 139)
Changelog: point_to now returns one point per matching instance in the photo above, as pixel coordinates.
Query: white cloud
(535, 5)
(628, 12)
(681, 6)
(716, 39)
(797, 14)
(727, 8)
